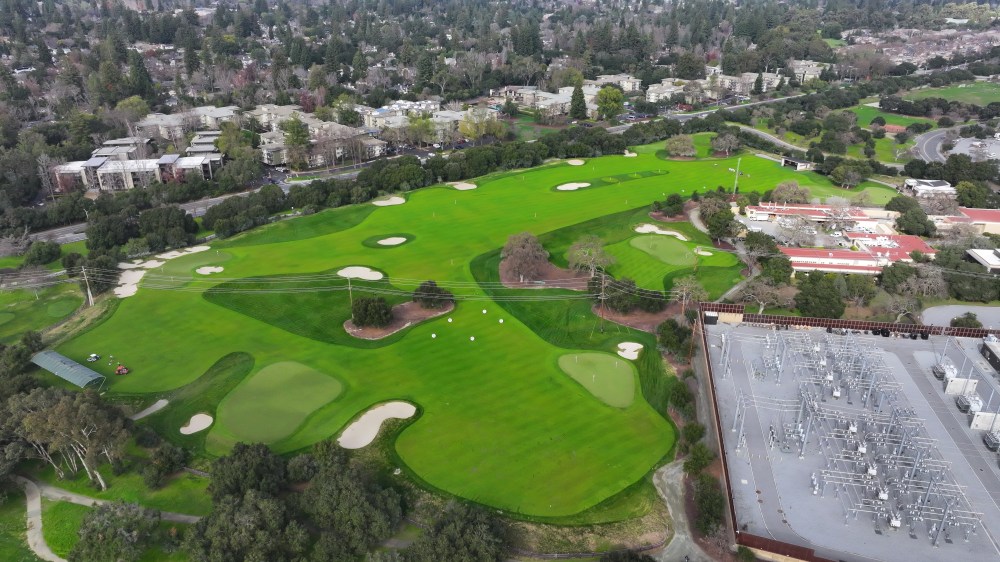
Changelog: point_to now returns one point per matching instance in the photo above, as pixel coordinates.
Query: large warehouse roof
(67, 369)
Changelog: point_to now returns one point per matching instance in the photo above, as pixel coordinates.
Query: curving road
(928, 146)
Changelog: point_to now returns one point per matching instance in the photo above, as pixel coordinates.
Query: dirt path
(695, 217)
(50, 492)
(36, 540)
(669, 482)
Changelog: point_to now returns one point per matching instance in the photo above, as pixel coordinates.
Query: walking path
(669, 482)
(35, 491)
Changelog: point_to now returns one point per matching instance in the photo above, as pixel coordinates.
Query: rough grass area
(610, 379)
(13, 539)
(60, 524)
(271, 403)
(978, 93)
(866, 113)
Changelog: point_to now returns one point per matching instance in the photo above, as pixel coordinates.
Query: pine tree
(577, 105)
(758, 85)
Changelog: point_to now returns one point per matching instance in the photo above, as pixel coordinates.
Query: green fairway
(262, 344)
(272, 403)
(978, 93)
(609, 378)
(866, 113)
(25, 309)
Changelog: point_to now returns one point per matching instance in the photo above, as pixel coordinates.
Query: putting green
(667, 249)
(610, 379)
(499, 418)
(273, 402)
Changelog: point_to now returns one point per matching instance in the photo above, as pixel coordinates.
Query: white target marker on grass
(472, 338)
(484, 311)
(501, 320)
(449, 320)
(434, 336)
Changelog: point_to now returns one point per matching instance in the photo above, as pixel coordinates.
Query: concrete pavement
(669, 481)
(36, 540)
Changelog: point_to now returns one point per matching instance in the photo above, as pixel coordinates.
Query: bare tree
(587, 254)
(687, 290)
(524, 256)
(794, 230)
(46, 166)
(901, 305)
(789, 192)
(763, 294)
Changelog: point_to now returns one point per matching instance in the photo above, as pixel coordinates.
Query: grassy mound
(610, 379)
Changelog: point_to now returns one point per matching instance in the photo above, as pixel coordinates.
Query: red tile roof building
(874, 252)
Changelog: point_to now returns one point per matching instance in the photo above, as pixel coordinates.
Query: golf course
(517, 392)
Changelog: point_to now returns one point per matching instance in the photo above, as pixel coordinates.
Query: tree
(673, 337)
(847, 176)
(463, 532)
(901, 204)
(681, 145)
(247, 467)
(253, 526)
(115, 531)
(698, 459)
(758, 85)
(524, 256)
(134, 108)
(577, 104)
(777, 270)
(510, 109)
(757, 246)
(789, 192)
(610, 102)
(860, 289)
(371, 311)
(41, 253)
(689, 66)
(818, 296)
(587, 254)
(725, 142)
(429, 295)
(974, 194)
(296, 140)
(353, 510)
(915, 222)
(967, 320)
(718, 218)
(762, 293)
(673, 206)
(687, 290)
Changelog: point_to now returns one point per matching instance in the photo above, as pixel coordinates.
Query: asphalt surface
(928, 147)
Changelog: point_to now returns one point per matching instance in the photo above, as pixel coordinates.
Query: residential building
(665, 89)
(805, 70)
(175, 125)
(626, 82)
(329, 141)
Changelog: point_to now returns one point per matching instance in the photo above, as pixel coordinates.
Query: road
(928, 146)
(669, 482)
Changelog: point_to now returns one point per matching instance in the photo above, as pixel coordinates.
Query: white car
(836, 234)
(436, 145)
(431, 155)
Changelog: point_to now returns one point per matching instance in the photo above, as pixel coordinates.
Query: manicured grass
(978, 93)
(13, 539)
(60, 524)
(866, 113)
(499, 422)
(667, 249)
(273, 402)
(26, 309)
(201, 395)
(609, 378)
(835, 42)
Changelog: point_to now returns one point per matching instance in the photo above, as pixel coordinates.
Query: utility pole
(736, 181)
(604, 283)
(350, 295)
(90, 295)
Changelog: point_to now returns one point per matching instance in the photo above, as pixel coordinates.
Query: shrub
(429, 295)
(709, 504)
(41, 253)
(967, 320)
(371, 311)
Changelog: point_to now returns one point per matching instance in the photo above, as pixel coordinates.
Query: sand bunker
(630, 154)
(209, 269)
(360, 272)
(364, 430)
(392, 241)
(156, 407)
(575, 162)
(572, 186)
(653, 229)
(394, 200)
(128, 283)
(703, 253)
(629, 350)
(151, 264)
(462, 185)
(186, 251)
(198, 422)
(126, 265)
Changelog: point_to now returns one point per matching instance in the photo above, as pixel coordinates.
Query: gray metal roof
(67, 369)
